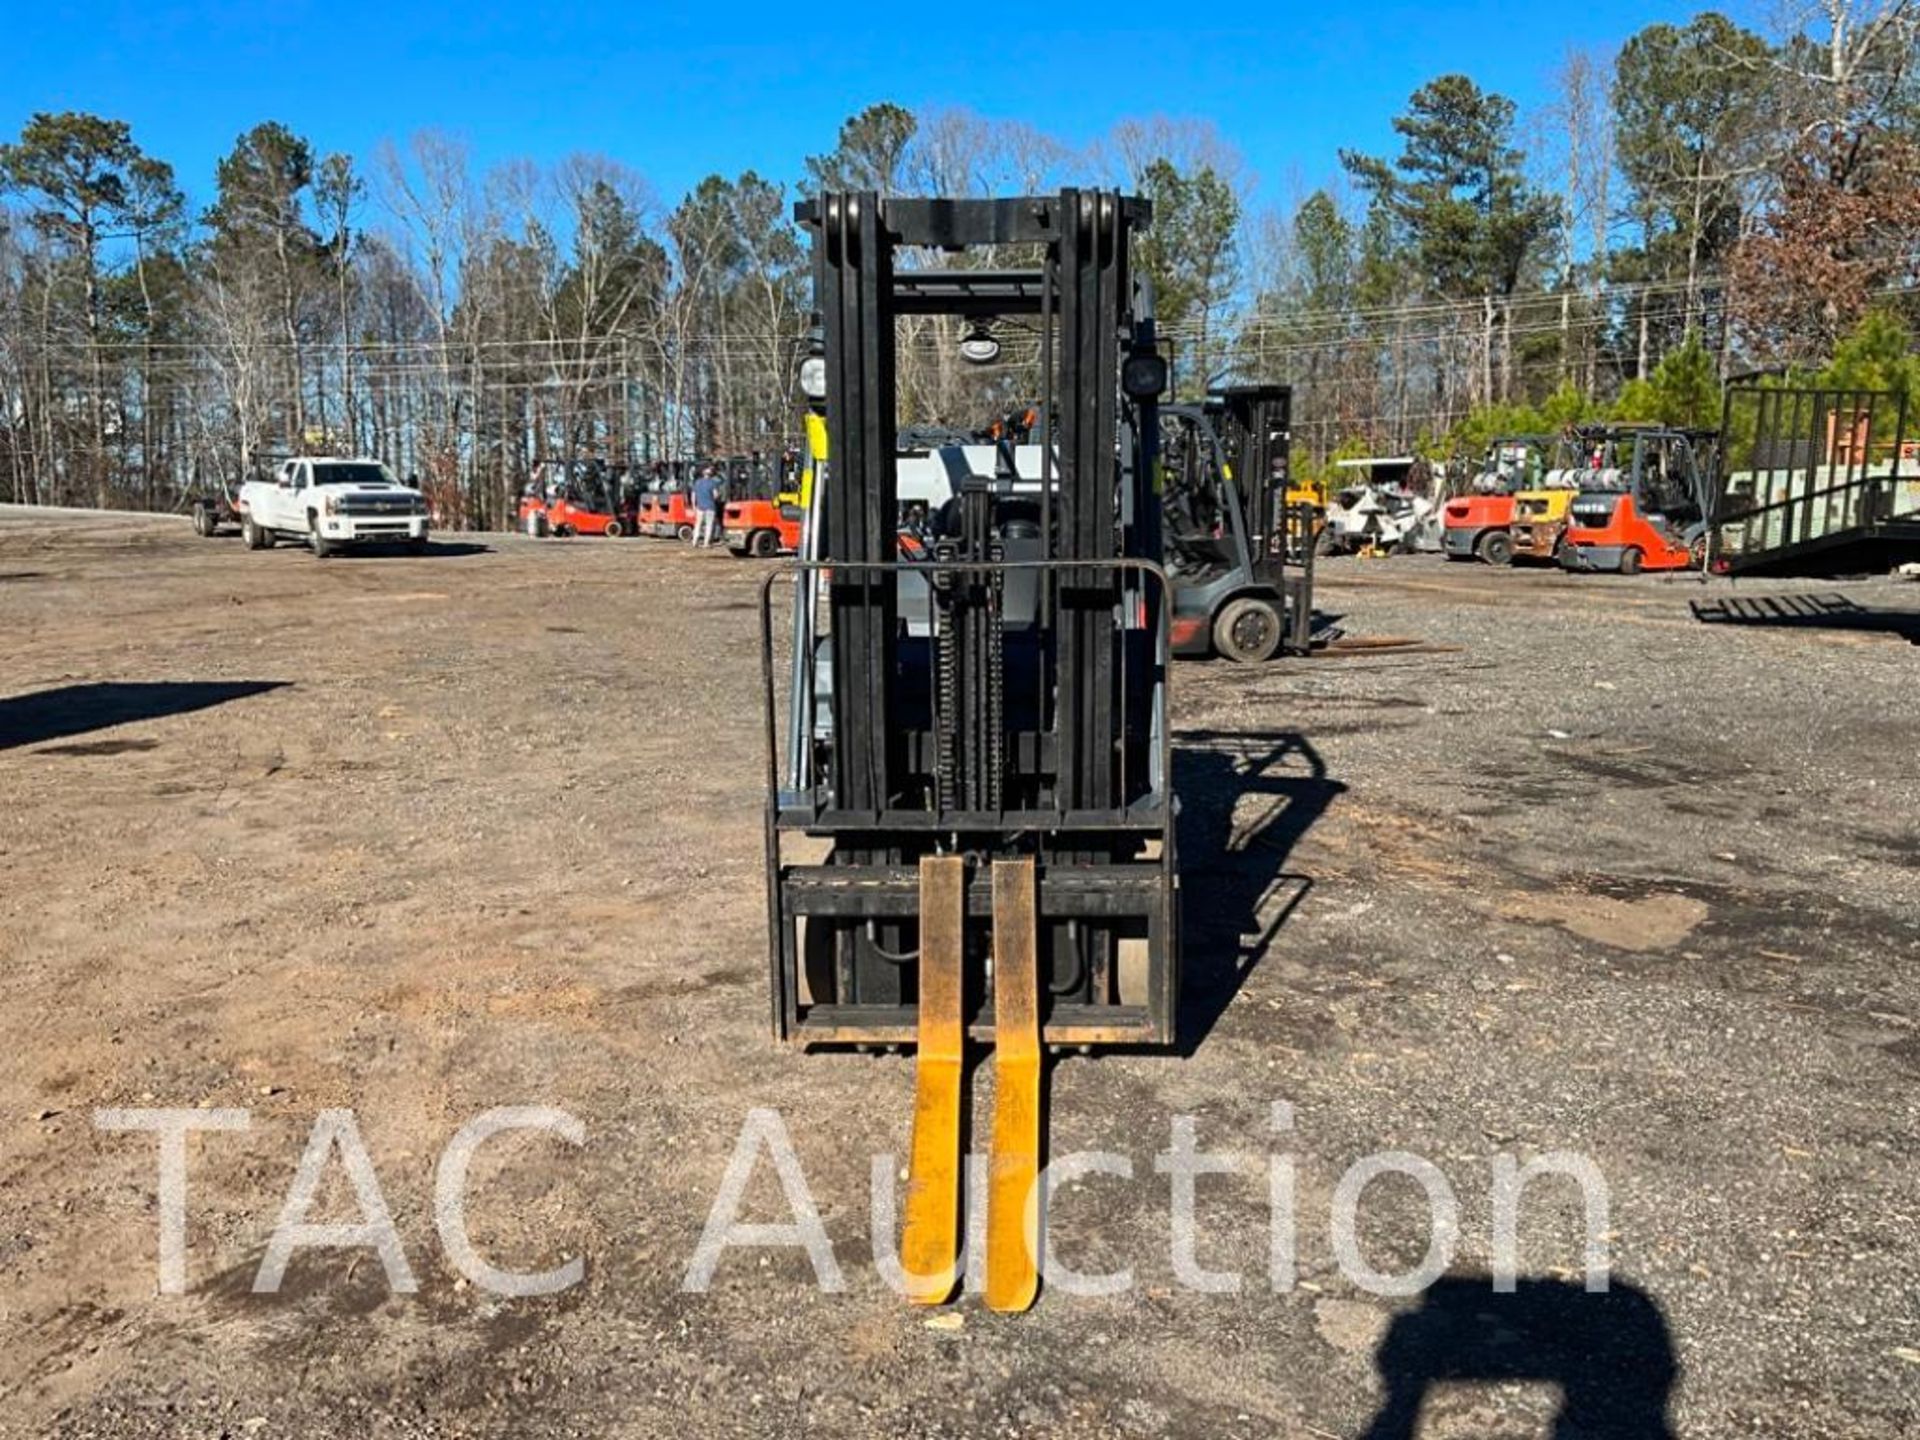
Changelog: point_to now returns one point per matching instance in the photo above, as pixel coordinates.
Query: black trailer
(1815, 482)
(215, 509)
(970, 809)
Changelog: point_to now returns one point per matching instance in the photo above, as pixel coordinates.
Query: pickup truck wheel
(1248, 630)
(765, 544)
(322, 547)
(255, 536)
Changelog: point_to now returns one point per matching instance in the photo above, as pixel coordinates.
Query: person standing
(706, 507)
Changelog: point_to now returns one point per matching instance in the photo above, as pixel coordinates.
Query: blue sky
(679, 92)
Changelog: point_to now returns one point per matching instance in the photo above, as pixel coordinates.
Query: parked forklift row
(1606, 497)
(759, 516)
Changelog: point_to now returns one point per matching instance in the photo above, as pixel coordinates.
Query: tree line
(1736, 199)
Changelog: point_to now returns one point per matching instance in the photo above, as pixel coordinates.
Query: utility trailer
(216, 508)
(1817, 482)
(970, 813)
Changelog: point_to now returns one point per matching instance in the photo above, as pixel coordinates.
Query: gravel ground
(1562, 870)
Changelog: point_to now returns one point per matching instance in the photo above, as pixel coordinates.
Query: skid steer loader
(970, 814)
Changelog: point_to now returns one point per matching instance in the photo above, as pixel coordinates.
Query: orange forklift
(1644, 501)
(765, 521)
(666, 510)
(583, 497)
(653, 497)
(1480, 523)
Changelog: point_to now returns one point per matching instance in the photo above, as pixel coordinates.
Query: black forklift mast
(1256, 432)
(978, 725)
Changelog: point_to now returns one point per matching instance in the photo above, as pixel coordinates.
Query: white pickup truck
(329, 503)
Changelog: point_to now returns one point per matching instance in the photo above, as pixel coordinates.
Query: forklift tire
(765, 544)
(613, 530)
(537, 525)
(563, 531)
(203, 522)
(1248, 631)
(1496, 547)
(685, 532)
(1630, 561)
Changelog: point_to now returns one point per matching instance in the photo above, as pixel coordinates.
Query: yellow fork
(1013, 1214)
(930, 1240)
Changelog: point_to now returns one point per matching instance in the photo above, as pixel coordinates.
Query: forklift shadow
(1246, 798)
(78, 709)
(1610, 1355)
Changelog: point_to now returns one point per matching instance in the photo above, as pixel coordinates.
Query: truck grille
(377, 505)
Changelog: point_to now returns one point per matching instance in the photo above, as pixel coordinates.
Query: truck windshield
(367, 474)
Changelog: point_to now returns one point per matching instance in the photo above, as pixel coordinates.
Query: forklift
(1231, 528)
(581, 497)
(970, 813)
(1480, 522)
(762, 517)
(1645, 501)
(1543, 509)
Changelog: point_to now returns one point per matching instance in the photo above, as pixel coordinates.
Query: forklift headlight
(979, 347)
(1143, 376)
(813, 377)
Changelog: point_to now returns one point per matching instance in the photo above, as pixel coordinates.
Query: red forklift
(1480, 523)
(765, 520)
(666, 509)
(581, 497)
(1645, 499)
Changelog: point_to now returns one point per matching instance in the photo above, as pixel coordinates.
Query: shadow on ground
(1610, 1355)
(81, 709)
(1807, 612)
(436, 550)
(1246, 798)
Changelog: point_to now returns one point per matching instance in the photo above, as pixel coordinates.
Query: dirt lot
(420, 837)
